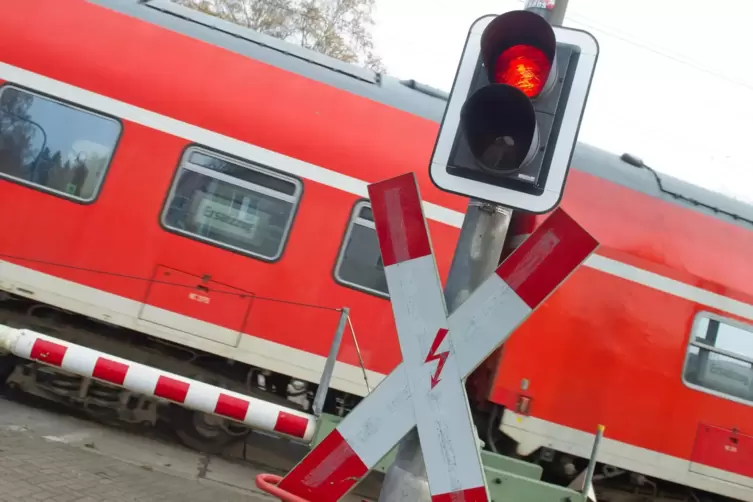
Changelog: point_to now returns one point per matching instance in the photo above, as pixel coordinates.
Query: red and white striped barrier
(255, 413)
(480, 325)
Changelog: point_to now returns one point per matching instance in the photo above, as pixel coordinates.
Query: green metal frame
(508, 479)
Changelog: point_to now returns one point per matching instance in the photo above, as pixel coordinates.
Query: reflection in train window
(232, 204)
(54, 146)
(720, 357)
(360, 262)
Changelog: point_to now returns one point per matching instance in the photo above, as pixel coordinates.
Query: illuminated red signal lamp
(518, 52)
(524, 67)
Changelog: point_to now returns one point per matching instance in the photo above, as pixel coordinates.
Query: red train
(189, 194)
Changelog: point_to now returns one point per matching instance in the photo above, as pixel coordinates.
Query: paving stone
(35, 470)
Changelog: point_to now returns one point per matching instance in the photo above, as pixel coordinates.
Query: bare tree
(338, 28)
(21, 139)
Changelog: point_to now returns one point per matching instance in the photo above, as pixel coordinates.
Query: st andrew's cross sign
(426, 390)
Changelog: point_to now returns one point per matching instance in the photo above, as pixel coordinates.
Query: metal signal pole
(477, 255)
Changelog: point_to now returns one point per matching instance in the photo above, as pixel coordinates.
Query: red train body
(172, 175)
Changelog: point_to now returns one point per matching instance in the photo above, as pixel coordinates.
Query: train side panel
(200, 84)
(125, 243)
(611, 346)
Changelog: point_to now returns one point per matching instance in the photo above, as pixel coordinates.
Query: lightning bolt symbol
(441, 357)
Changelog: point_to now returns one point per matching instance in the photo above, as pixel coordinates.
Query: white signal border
(567, 136)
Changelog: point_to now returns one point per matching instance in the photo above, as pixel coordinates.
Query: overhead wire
(650, 46)
(663, 53)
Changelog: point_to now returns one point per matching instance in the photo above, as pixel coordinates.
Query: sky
(672, 85)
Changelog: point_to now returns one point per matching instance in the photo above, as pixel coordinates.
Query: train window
(360, 262)
(54, 146)
(720, 357)
(233, 204)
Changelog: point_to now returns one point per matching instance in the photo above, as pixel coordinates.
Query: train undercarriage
(214, 435)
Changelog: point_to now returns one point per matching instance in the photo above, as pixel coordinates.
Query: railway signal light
(513, 114)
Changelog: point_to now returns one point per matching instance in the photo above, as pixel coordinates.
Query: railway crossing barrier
(426, 390)
(255, 413)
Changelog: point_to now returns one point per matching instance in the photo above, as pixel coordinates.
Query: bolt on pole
(477, 254)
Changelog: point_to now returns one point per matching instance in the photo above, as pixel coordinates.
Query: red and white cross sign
(440, 406)
(426, 390)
